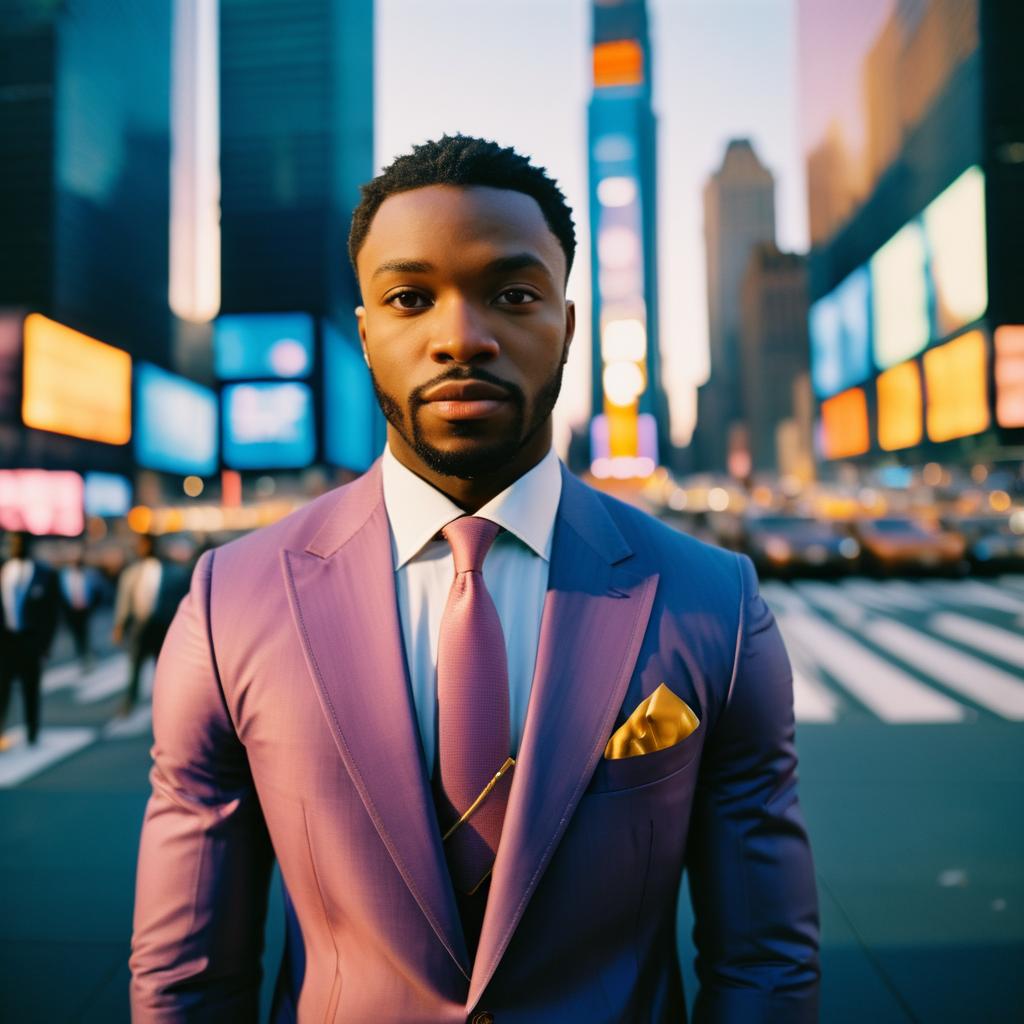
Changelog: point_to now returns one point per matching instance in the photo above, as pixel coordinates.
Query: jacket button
(483, 1017)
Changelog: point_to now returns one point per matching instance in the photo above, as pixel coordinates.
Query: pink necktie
(473, 712)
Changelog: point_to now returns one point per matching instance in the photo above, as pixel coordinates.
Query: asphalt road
(909, 700)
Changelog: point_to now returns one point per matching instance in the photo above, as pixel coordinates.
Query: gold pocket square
(660, 721)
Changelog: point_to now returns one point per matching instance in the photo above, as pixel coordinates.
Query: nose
(463, 335)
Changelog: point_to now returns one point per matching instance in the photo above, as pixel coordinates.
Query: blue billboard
(840, 330)
(107, 494)
(252, 345)
(353, 424)
(268, 425)
(175, 423)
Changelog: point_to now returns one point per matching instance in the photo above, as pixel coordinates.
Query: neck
(471, 495)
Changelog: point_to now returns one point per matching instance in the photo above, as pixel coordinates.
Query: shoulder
(258, 552)
(673, 553)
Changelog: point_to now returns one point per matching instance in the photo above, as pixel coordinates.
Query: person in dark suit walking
(148, 594)
(81, 590)
(29, 601)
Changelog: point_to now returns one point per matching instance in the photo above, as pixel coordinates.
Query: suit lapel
(342, 595)
(594, 618)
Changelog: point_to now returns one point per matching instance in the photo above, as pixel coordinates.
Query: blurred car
(991, 543)
(785, 545)
(900, 543)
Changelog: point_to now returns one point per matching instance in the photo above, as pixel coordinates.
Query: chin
(468, 461)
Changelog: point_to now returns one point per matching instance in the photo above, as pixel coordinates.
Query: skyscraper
(296, 131)
(773, 345)
(739, 213)
(629, 430)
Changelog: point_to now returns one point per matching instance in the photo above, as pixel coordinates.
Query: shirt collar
(417, 510)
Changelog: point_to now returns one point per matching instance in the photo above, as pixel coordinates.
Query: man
(482, 746)
(28, 602)
(80, 592)
(148, 593)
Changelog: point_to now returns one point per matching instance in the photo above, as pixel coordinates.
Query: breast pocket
(622, 773)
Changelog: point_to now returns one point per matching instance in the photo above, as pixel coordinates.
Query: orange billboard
(1009, 375)
(900, 407)
(74, 384)
(955, 377)
(844, 422)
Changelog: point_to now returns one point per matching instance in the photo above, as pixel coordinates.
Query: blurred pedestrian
(148, 593)
(29, 600)
(81, 590)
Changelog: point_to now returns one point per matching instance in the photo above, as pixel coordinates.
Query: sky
(518, 72)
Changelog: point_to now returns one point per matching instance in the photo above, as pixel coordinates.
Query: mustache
(515, 393)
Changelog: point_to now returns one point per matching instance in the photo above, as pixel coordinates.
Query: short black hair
(464, 160)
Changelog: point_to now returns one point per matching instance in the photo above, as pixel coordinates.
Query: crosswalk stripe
(22, 761)
(883, 597)
(112, 679)
(988, 686)
(812, 700)
(831, 599)
(888, 691)
(982, 594)
(991, 640)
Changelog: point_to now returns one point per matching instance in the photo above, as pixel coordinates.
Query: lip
(463, 392)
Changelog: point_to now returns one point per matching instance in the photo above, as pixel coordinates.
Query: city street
(910, 706)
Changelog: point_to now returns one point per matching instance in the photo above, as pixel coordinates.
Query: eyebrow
(501, 265)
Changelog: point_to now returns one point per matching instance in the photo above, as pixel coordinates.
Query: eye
(407, 300)
(517, 297)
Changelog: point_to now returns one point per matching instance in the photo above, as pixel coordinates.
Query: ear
(570, 328)
(361, 323)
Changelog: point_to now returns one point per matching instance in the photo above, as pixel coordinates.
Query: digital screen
(41, 501)
(175, 423)
(844, 424)
(353, 424)
(954, 226)
(899, 297)
(268, 425)
(107, 494)
(1009, 375)
(955, 376)
(248, 345)
(839, 327)
(900, 407)
(74, 384)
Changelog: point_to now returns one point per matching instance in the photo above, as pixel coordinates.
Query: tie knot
(470, 538)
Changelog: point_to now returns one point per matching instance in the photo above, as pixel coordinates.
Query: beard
(481, 459)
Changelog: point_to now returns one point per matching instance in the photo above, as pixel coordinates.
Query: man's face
(465, 325)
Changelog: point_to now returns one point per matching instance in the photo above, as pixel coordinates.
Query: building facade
(739, 214)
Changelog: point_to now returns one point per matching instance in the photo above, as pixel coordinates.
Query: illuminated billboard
(74, 384)
(353, 425)
(41, 501)
(900, 407)
(954, 227)
(268, 425)
(107, 494)
(956, 383)
(839, 326)
(1009, 375)
(899, 297)
(251, 345)
(176, 423)
(844, 425)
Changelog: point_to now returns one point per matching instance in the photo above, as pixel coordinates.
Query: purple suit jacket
(284, 727)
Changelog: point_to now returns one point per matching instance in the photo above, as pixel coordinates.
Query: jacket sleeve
(204, 856)
(749, 863)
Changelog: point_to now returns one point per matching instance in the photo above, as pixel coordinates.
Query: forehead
(448, 224)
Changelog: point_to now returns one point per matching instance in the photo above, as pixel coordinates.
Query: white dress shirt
(515, 572)
(15, 578)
